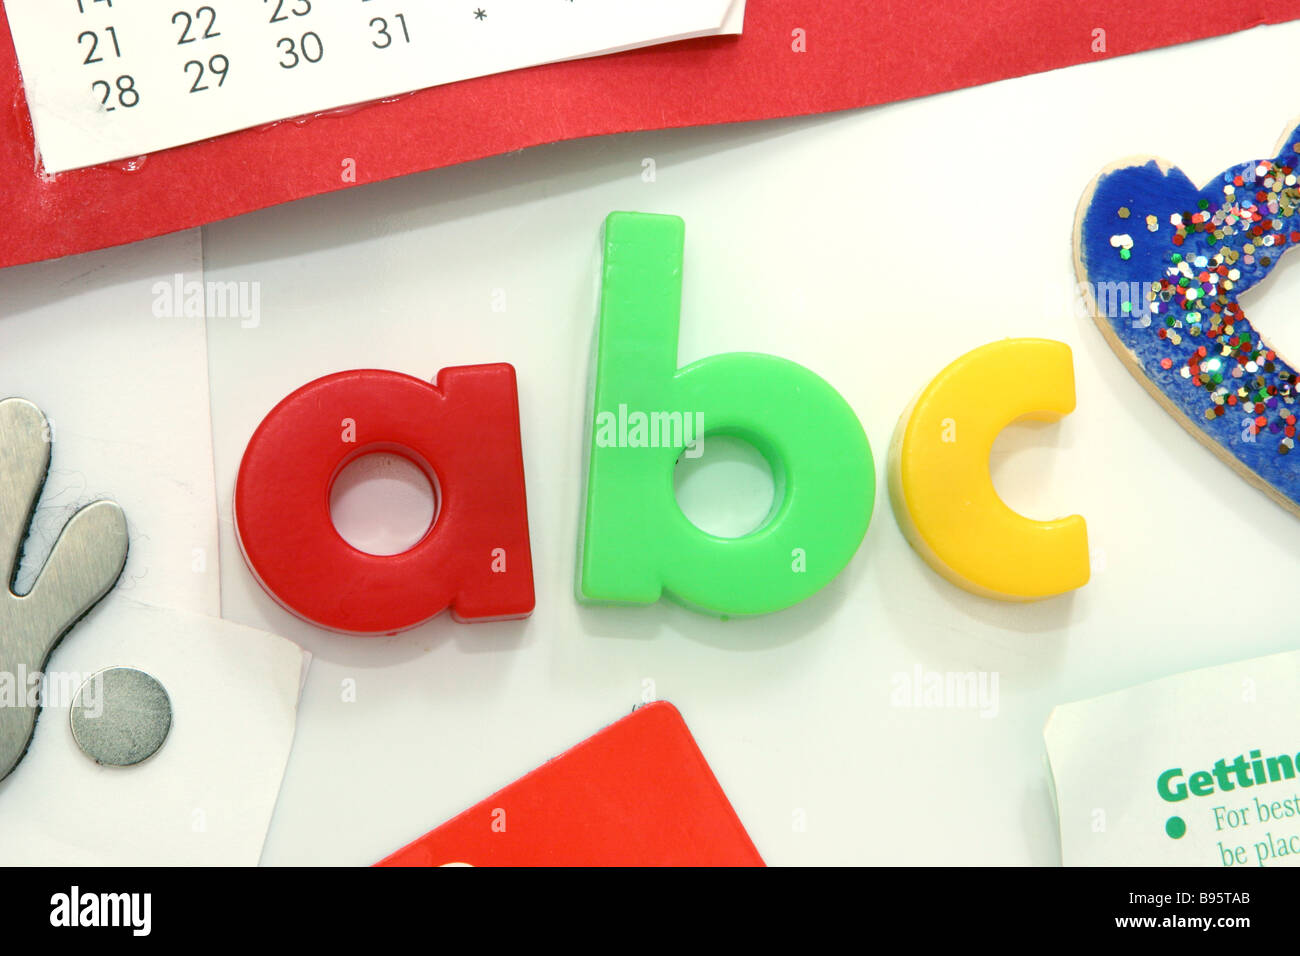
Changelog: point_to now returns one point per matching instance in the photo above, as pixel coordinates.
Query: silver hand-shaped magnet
(85, 563)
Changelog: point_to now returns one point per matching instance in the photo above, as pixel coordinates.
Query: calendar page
(112, 79)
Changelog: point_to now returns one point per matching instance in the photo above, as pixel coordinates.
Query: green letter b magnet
(647, 413)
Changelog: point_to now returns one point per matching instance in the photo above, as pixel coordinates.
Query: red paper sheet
(639, 793)
(857, 54)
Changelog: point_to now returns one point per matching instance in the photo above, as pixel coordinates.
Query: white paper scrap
(206, 797)
(109, 80)
(112, 347)
(1199, 769)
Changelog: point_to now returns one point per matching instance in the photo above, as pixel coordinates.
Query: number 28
(127, 94)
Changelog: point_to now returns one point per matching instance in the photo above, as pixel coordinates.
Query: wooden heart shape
(1162, 264)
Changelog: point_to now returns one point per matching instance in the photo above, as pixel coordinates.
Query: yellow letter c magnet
(939, 479)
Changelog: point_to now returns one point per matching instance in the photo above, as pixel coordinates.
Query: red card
(854, 54)
(639, 793)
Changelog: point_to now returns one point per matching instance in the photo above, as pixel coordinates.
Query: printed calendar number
(127, 95)
(93, 55)
(218, 66)
(188, 21)
(283, 8)
(308, 49)
(381, 25)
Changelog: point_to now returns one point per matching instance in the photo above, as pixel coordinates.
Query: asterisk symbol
(480, 14)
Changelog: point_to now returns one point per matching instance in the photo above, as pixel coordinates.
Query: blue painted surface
(1146, 190)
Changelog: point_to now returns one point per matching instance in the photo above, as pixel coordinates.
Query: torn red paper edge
(853, 54)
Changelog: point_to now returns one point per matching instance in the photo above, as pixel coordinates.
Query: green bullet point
(1175, 827)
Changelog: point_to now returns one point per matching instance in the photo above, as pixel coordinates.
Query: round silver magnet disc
(120, 716)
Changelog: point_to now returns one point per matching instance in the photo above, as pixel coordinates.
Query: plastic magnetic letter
(637, 543)
(939, 477)
(463, 432)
